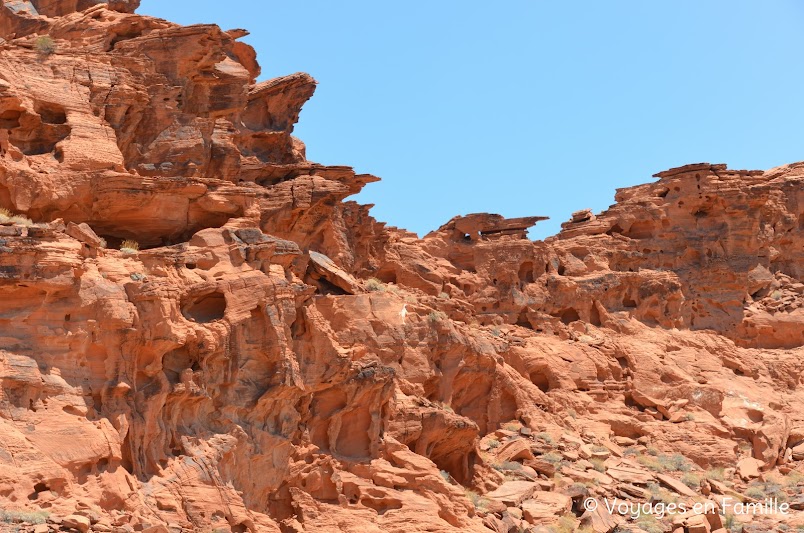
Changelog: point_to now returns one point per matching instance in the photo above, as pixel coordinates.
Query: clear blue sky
(528, 107)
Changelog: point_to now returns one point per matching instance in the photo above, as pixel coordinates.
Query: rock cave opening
(176, 362)
(641, 229)
(38, 488)
(569, 315)
(206, 308)
(594, 316)
(522, 319)
(10, 119)
(51, 113)
(41, 141)
(387, 276)
(124, 36)
(540, 380)
(526, 272)
(114, 241)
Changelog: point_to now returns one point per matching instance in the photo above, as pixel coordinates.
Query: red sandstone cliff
(274, 359)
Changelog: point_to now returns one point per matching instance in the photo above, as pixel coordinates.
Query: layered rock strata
(272, 358)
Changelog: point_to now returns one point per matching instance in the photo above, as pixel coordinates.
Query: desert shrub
(649, 523)
(553, 458)
(510, 466)
(565, 524)
(650, 462)
(598, 464)
(435, 317)
(755, 492)
(493, 443)
(31, 517)
(679, 462)
(475, 498)
(731, 524)
(728, 521)
(793, 479)
(375, 285)
(763, 490)
(664, 463)
(545, 437)
(21, 220)
(45, 45)
(660, 494)
(691, 479)
(630, 452)
(718, 474)
(580, 486)
(393, 289)
(129, 246)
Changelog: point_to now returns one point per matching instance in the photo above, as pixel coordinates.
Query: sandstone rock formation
(274, 359)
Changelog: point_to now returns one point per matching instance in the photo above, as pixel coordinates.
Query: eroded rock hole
(51, 113)
(206, 308)
(122, 37)
(114, 241)
(127, 460)
(41, 141)
(541, 381)
(594, 316)
(642, 229)
(10, 119)
(526, 272)
(569, 316)
(523, 321)
(381, 505)
(38, 488)
(387, 276)
(175, 362)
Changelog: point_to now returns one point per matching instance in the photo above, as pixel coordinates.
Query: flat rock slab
(676, 485)
(629, 474)
(600, 520)
(515, 450)
(748, 468)
(512, 493)
(334, 274)
(544, 507)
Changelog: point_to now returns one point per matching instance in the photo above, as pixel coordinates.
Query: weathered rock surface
(274, 359)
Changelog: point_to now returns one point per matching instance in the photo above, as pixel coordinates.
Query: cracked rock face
(268, 357)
